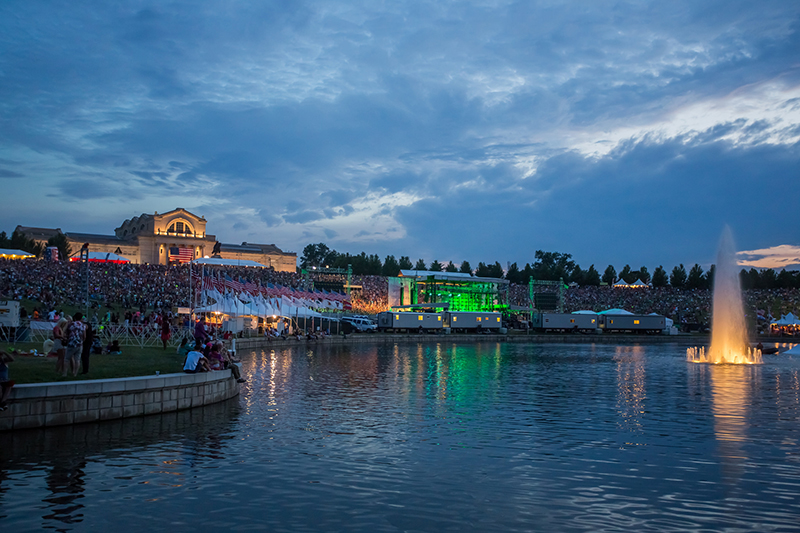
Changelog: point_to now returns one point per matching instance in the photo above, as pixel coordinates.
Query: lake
(435, 437)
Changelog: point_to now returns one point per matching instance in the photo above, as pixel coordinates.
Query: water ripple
(436, 438)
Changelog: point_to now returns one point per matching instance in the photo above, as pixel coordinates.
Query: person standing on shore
(60, 343)
(200, 331)
(76, 334)
(165, 329)
(86, 349)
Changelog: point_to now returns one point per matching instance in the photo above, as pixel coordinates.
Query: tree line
(18, 241)
(547, 266)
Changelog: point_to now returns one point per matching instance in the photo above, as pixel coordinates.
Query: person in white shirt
(195, 362)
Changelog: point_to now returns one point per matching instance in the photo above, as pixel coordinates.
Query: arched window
(180, 228)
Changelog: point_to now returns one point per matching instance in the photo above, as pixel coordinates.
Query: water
(488, 437)
(729, 342)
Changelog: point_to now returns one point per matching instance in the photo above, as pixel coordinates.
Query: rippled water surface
(488, 437)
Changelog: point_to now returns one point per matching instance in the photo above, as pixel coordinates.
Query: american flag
(182, 255)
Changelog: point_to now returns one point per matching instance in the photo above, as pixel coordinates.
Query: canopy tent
(638, 284)
(6, 253)
(218, 261)
(615, 312)
(102, 257)
(795, 350)
(245, 304)
(788, 320)
(584, 312)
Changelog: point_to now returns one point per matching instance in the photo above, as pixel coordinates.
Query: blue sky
(619, 132)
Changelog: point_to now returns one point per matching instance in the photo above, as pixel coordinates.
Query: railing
(140, 335)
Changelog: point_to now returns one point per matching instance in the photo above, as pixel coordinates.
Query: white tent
(621, 283)
(14, 254)
(788, 320)
(795, 350)
(615, 312)
(639, 284)
(584, 312)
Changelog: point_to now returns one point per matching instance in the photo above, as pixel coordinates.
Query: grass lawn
(133, 361)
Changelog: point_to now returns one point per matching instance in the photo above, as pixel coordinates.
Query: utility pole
(84, 257)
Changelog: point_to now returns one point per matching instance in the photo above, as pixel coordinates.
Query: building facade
(161, 239)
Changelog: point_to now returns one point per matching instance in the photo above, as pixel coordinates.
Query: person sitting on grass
(195, 362)
(113, 347)
(185, 347)
(5, 383)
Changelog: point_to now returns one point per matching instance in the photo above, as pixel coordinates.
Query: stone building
(176, 236)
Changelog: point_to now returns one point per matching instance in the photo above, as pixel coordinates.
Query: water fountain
(729, 342)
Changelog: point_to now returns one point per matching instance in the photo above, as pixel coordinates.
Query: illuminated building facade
(161, 239)
(463, 292)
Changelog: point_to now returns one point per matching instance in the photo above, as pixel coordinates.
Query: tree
(19, 241)
(678, 277)
(750, 279)
(577, 275)
(420, 265)
(552, 266)
(405, 263)
(436, 266)
(625, 275)
(315, 255)
(709, 278)
(514, 275)
(643, 275)
(482, 271)
(60, 241)
(660, 278)
(696, 280)
(451, 267)
(391, 267)
(769, 279)
(465, 268)
(496, 270)
(610, 275)
(375, 265)
(787, 279)
(527, 273)
(592, 277)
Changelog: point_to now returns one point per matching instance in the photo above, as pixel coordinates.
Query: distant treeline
(18, 241)
(548, 266)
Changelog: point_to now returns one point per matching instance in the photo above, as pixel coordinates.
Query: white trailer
(565, 322)
(472, 320)
(409, 320)
(635, 323)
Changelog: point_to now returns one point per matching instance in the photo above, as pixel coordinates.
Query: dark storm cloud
(441, 113)
(677, 189)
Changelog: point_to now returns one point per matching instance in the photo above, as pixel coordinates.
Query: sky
(618, 132)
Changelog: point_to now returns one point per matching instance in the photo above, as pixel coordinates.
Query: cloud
(781, 256)
(472, 130)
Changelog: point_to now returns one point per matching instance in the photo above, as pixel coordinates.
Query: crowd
(117, 291)
(118, 287)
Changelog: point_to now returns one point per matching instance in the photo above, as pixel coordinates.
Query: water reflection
(67, 457)
(631, 388)
(488, 437)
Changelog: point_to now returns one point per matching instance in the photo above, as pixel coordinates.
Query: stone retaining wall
(61, 403)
